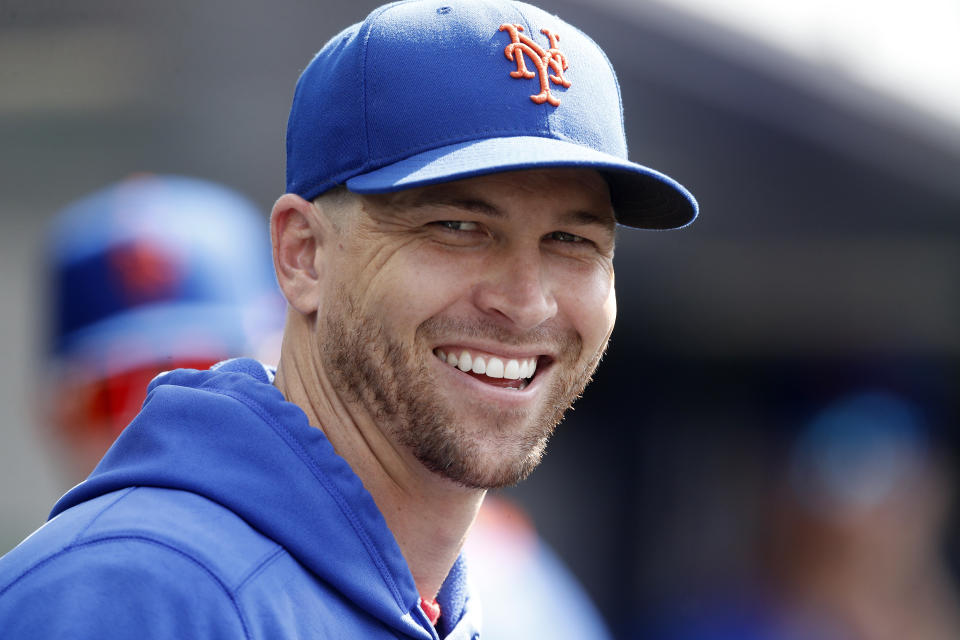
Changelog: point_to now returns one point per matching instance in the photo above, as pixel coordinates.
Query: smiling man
(455, 175)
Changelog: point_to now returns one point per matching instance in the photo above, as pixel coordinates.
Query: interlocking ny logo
(545, 60)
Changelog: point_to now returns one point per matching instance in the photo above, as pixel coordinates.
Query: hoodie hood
(230, 436)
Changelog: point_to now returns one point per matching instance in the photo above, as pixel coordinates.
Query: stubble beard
(392, 381)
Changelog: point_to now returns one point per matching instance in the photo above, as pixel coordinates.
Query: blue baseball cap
(429, 91)
(159, 267)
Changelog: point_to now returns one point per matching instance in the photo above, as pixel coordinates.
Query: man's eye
(458, 225)
(563, 236)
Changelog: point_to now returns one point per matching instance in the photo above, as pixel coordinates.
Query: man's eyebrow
(584, 216)
(438, 198)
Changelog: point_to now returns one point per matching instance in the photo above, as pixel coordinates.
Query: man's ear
(298, 234)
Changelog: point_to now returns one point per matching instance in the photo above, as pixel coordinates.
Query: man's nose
(517, 288)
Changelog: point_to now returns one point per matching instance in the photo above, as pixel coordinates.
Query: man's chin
(487, 479)
(486, 464)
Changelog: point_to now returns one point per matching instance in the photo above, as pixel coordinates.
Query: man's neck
(428, 515)
(429, 521)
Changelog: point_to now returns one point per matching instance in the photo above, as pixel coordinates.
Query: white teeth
(492, 367)
(479, 365)
(495, 368)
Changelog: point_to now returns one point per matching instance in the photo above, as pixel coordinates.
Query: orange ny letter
(544, 60)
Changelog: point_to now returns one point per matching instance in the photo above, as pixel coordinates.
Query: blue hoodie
(220, 513)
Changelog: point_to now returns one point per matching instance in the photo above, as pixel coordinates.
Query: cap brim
(641, 197)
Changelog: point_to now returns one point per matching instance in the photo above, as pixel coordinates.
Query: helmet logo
(145, 273)
(548, 60)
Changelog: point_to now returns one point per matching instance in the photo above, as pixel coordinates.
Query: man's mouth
(501, 372)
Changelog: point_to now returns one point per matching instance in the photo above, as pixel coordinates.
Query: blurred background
(769, 447)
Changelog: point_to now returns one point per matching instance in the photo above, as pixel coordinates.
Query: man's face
(465, 318)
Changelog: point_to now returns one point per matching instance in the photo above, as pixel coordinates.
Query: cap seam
(366, 27)
(616, 83)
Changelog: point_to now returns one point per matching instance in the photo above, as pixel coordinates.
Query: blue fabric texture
(220, 513)
(425, 91)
